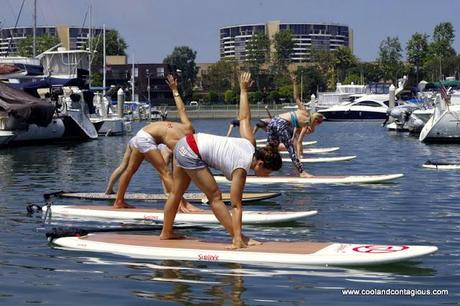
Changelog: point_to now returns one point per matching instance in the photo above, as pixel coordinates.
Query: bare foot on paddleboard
(186, 207)
(170, 236)
(122, 204)
(250, 241)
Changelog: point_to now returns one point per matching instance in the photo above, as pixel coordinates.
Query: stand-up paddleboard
(350, 179)
(148, 214)
(264, 143)
(441, 166)
(268, 253)
(322, 159)
(316, 150)
(191, 197)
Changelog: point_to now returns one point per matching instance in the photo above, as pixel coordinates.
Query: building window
(160, 72)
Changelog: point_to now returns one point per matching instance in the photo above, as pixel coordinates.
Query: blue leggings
(280, 130)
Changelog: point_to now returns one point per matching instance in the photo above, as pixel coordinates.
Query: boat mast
(34, 29)
(132, 81)
(103, 59)
(90, 36)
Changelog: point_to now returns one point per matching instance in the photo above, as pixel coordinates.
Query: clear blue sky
(152, 28)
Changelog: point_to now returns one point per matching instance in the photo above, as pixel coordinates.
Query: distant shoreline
(225, 111)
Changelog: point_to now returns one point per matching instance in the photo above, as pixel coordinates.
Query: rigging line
(15, 25)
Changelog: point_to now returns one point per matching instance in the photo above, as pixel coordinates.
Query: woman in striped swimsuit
(196, 153)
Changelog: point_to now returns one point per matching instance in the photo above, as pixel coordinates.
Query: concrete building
(306, 36)
(71, 38)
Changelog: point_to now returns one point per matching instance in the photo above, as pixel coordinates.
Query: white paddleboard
(315, 150)
(268, 253)
(191, 197)
(441, 166)
(264, 143)
(350, 179)
(322, 159)
(148, 214)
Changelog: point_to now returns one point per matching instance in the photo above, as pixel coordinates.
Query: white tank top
(225, 153)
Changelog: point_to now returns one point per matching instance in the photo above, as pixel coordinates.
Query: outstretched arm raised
(245, 112)
(172, 83)
(296, 92)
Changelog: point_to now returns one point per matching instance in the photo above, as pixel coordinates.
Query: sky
(152, 28)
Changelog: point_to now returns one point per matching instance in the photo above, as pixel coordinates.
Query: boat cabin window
(368, 103)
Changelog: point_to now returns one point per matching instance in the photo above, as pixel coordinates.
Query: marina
(243, 153)
(397, 213)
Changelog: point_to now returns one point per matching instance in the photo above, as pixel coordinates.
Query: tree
(313, 80)
(343, 60)
(184, 60)
(114, 45)
(417, 51)
(390, 58)
(257, 53)
(441, 49)
(230, 96)
(324, 60)
(221, 76)
(43, 43)
(283, 45)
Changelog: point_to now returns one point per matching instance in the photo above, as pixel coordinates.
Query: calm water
(421, 208)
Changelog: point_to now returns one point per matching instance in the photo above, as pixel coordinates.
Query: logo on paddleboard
(380, 249)
(148, 217)
(208, 257)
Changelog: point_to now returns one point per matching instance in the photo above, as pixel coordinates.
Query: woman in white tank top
(195, 154)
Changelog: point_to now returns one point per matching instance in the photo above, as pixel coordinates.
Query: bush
(213, 96)
(230, 96)
(274, 96)
(255, 97)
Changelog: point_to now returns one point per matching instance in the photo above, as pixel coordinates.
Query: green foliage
(353, 77)
(221, 76)
(42, 43)
(213, 96)
(274, 96)
(285, 92)
(255, 97)
(184, 60)
(390, 58)
(343, 60)
(114, 45)
(258, 50)
(443, 33)
(313, 80)
(283, 45)
(230, 96)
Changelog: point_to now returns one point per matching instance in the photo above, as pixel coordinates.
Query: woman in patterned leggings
(283, 127)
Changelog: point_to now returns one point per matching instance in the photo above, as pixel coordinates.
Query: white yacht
(366, 107)
(444, 124)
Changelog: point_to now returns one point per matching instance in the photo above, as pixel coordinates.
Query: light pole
(148, 85)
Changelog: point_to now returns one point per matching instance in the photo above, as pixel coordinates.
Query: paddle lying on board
(350, 179)
(316, 150)
(149, 214)
(304, 143)
(268, 253)
(191, 197)
(322, 159)
(441, 166)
